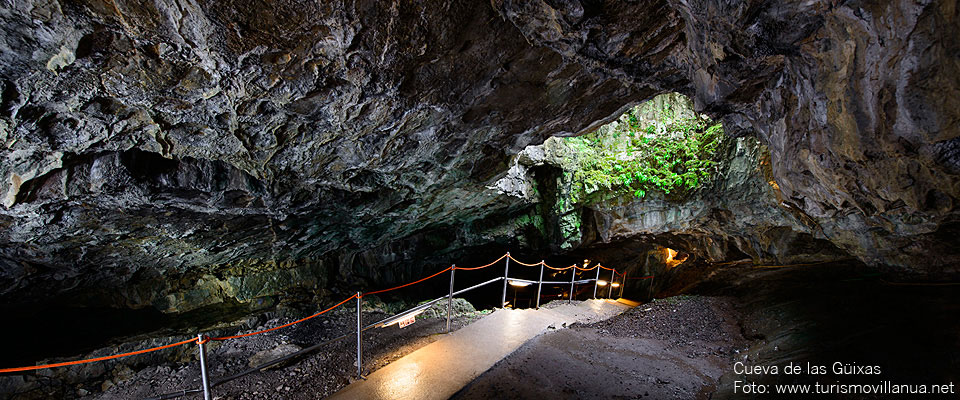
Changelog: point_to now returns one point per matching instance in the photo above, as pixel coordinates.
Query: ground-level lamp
(516, 285)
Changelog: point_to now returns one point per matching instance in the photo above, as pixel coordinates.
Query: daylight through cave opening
(778, 179)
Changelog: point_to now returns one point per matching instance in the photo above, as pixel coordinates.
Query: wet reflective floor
(439, 370)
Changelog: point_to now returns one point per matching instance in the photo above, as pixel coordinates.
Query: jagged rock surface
(169, 148)
(737, 212)
(174, 149)
(857, 101)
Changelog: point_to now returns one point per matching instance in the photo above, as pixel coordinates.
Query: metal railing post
(613, 275)
(540, 282)
(450, 297)
(506, 272)
(623, 284)
(359, 332)
(596, 282)
(573, 275)
(203, 369)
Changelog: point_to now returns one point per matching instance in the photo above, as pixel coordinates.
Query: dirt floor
(675, 348)
(314, 376)
(687, 346)
(441, 369)
(681, 347)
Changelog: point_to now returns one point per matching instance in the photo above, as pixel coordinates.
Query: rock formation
(182, 153)
(847, 95)
(735, 214)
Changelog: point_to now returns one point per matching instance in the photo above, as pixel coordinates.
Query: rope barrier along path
(89, 360)
(406, 284)
(612, 269)
(204, 339)
(559, 269)
(152, 349)
(285, 325)
(220, 338)
(484, 266)
(521, 262)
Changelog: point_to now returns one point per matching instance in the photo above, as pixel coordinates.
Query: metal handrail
(555, 283)
(303, 351)
(360, 330)
(580, 282)
(428, 304)
(251, 370)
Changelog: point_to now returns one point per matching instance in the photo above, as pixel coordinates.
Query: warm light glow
(615, 284)
(400, 317)
(585, 262)
(671, 259)
(519, 284)
(601, 283)
(671, 253)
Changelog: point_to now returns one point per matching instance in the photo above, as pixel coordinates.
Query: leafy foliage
(674, 156)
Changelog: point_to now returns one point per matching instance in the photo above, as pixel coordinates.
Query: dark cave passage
(774, 183)
(840, 316)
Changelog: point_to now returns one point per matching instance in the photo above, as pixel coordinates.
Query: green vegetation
(672, 155)
(534, 220)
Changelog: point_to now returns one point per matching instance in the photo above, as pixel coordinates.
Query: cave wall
(737, 212)
(177, 138)
(857, 101)
(160, 138)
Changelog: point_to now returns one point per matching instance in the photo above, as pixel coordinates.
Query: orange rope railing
(205, 339)
(523, 263)
(559, 269)
(484, 266)
(89, 360)
(407, 284)
(285, 325)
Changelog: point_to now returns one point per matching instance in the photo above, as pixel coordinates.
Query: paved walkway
(440, 369)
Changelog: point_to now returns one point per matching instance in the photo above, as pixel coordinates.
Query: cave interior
(181, 166)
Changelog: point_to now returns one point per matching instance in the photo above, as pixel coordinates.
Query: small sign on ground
(407, 321)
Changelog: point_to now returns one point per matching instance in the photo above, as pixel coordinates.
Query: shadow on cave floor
(55, 330)
(843, 313)
(685, 343)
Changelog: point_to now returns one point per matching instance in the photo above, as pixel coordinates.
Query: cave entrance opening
(657, 155)
(661, 147)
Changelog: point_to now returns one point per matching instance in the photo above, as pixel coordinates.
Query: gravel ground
(313, 376)
(697, 325)
(674, 348)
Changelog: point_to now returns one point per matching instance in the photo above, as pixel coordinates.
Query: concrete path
(440, 369)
